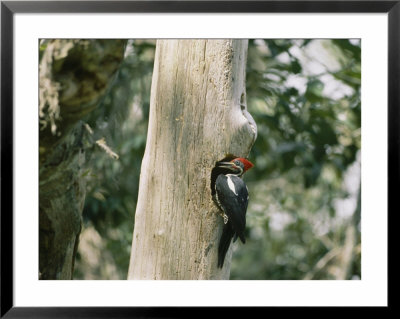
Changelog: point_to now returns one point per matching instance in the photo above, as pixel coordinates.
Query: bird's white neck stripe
(231, 184)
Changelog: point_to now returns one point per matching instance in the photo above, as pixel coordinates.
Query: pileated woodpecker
(231, 195)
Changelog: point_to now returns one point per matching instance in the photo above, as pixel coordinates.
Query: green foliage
(305, 98)
(307, 129)
(113, 183)
(308, 117)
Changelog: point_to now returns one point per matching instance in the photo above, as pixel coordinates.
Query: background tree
(74, 76)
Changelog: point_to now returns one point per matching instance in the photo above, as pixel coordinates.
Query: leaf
(296, 67)
(314, 91)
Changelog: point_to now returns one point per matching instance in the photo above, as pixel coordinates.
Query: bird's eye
(239, 164)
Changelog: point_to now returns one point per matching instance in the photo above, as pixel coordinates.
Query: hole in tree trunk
(218, 170)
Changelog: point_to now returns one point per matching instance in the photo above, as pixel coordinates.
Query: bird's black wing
(234, 201)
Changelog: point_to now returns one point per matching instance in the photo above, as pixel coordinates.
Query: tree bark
(74, 76)
(198, 114)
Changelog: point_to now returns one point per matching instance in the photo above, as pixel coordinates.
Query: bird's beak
(227, 165)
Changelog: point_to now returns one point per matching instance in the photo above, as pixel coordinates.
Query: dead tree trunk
(74, 76)
(198, 115)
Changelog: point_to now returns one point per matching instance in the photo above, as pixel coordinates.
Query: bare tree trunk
(74, 76)
(198, 115)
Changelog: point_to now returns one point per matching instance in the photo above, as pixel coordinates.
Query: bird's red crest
(247, 164)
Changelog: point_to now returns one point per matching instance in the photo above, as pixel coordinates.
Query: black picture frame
(9, 8)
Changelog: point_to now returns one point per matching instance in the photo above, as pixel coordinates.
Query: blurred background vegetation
(304, 211)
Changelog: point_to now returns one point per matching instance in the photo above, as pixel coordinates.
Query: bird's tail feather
(224, 243)
(241, 236)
